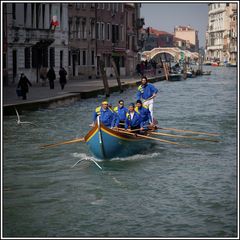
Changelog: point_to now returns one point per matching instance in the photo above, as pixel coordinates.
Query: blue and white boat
(106, 143)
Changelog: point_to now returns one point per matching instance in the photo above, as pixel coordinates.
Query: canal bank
(43, 97)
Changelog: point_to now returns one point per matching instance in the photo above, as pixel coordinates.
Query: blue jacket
(144, 113)
(121, 112)
(135, 121)
(146, 91)
(107, 117)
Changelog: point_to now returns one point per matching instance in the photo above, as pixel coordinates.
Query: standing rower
(147, 92)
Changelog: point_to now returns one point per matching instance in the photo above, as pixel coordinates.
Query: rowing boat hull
(105, 143)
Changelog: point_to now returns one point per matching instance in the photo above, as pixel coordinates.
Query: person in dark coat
(62, 74)
(23, 85)
(51, 77)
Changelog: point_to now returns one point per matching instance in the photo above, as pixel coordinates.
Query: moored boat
(106, 143)
(175, 77)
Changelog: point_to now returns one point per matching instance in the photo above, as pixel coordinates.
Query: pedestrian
(62, 80)
(23, 85)
(147, 92)
(51, 77)
(43, 75)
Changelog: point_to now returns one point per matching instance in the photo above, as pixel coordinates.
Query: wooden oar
(152, 138)
(189, 131)
(181, 136)
(62, 143)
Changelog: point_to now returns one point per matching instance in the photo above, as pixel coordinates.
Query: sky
(165, 16)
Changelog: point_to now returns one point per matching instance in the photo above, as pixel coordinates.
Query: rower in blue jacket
(133, 120)
(144, 113)
(147, 92)
(107, 116)
(121, 112)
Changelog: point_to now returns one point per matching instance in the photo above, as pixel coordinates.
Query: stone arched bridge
(175, 52)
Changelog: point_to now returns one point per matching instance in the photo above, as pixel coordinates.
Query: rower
(107, 117)
(144, 113)
(147, 92)
(121, 112)
(133, 120)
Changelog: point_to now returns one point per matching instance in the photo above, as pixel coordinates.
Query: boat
(206, 73)
(175, 77)
(106, 143)
(189, 74)
(214, 64)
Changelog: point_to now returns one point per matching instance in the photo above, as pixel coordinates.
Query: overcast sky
(165, 16)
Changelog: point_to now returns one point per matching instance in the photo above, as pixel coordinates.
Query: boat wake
(136, 157)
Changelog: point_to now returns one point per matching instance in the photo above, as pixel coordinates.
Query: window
(32, 15)
(116, 33)
(4, 60)
(103, 31)
(61, 58)
(27, 57)
(98, 30)
(84, 57)
(43, 16)
(92, 57)
(25, 13)
(14, 10)
(79, 57)
(52, 57)
(37, 14)
(92, 29)
(69, 58)
(108, 31)
(84, 32)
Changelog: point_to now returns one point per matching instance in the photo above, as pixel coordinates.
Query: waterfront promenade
(42, 96)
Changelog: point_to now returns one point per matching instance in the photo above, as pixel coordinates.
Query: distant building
(189, 34)
(155, 38)
(221, 35)
(103, 31)
(32, 40)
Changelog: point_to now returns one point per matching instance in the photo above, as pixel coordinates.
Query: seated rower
(144, 113)
(133, 120)
(106, 115)
(121, 112)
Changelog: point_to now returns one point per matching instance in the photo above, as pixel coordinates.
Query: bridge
(175, 52)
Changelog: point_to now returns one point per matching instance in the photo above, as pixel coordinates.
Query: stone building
(221, 35)
(189, 34)
(102, 31)
(32, 43)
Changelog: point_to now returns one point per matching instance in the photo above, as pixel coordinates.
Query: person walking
(62, 80)
(23, 85)
(51, 77)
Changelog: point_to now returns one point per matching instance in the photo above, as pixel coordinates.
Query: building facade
(221, 35)
(189, 34)
(106, 32)
(32, 42)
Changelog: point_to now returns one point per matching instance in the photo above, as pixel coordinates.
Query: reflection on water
(168, 191)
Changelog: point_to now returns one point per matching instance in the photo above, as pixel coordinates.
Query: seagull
(19, 120)
(87, 159)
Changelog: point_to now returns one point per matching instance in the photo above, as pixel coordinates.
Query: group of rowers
(138, 115)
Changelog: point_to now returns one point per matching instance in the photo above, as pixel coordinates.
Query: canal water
(168, 191)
